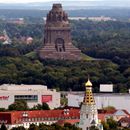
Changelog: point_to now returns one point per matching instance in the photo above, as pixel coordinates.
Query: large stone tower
(88, 112)
(57, 37)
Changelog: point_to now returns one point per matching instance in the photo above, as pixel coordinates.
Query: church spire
(88, 111)
(88, 83)
(88, 98)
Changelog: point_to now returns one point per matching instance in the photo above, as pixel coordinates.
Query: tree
(94, 128)
(109, 108)
(33, 127)
(3, 127)
(105, 125)
(37, 107)
(18, 128)
(112, 123)
(68, 126)
(2, 109)
(45, 106)
(18, 105)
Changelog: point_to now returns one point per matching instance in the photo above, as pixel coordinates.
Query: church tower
(57, 37)
(88, 112)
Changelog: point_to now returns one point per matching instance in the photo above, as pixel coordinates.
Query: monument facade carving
(57, 37)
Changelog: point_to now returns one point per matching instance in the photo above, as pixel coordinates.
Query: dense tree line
(108, 40)
(110, 124)
(21, 105)
(41, 126)
(103, 40)
(119, 13)
(64, 75)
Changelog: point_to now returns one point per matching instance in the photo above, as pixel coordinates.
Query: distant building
(101, 18)
(71, 18)
(33, 94)
(48, 117)
(29, 40)
(2, 38)
(125, 122)
(105, 88)
(119, 114)
(57, 37)
(7, 39)
(77, 18)
(18, 21)
(119, 101)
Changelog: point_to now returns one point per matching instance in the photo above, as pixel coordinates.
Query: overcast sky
(26, 1)
(115, 2)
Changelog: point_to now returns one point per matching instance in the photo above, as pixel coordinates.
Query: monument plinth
(57, 37)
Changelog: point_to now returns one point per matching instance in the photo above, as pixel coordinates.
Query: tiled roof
(67, 115)
(101, 117)
(120, 113)
(15, 116)
(125, 120)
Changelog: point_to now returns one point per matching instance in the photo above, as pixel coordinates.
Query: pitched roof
(101, 117)
(15, 117)
(125, 120)
(121, 113)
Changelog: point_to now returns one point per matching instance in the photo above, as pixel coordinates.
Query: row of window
(46, 119)
(37, 123)
(29, 98)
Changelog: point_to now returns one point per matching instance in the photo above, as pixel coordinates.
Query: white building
(101, 18)
(33, 94)
(88, 111)
(119, 101)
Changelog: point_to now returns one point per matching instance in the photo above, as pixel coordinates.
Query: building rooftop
(16, 117)
(22, 87)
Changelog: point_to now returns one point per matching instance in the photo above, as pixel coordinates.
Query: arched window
(59, 45)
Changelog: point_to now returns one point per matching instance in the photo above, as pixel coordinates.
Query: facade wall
(119, 101)
(33, 97)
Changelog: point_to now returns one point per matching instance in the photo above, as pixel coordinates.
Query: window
(59, 45)
(29, 98)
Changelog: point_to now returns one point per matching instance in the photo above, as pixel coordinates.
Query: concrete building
(101, 18)
(119, 101)
(48, 117)
(33, 94)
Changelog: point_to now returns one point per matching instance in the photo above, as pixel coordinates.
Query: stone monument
(57, 37)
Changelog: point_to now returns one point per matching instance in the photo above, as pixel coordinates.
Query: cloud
(26, 1)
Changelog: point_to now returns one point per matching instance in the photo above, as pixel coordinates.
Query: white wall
(4, 103)
(119, 101)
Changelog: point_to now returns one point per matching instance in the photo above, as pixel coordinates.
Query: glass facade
(28, 98)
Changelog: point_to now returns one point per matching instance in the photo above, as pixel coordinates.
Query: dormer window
(25, 114)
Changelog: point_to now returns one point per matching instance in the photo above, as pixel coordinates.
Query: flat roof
(22, 87)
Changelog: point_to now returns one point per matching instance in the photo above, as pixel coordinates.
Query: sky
(27, 1)
(107, 2)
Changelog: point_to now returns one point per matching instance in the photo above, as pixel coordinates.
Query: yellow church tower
(88, 111)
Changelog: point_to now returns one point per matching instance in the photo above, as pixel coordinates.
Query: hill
(107, 42)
